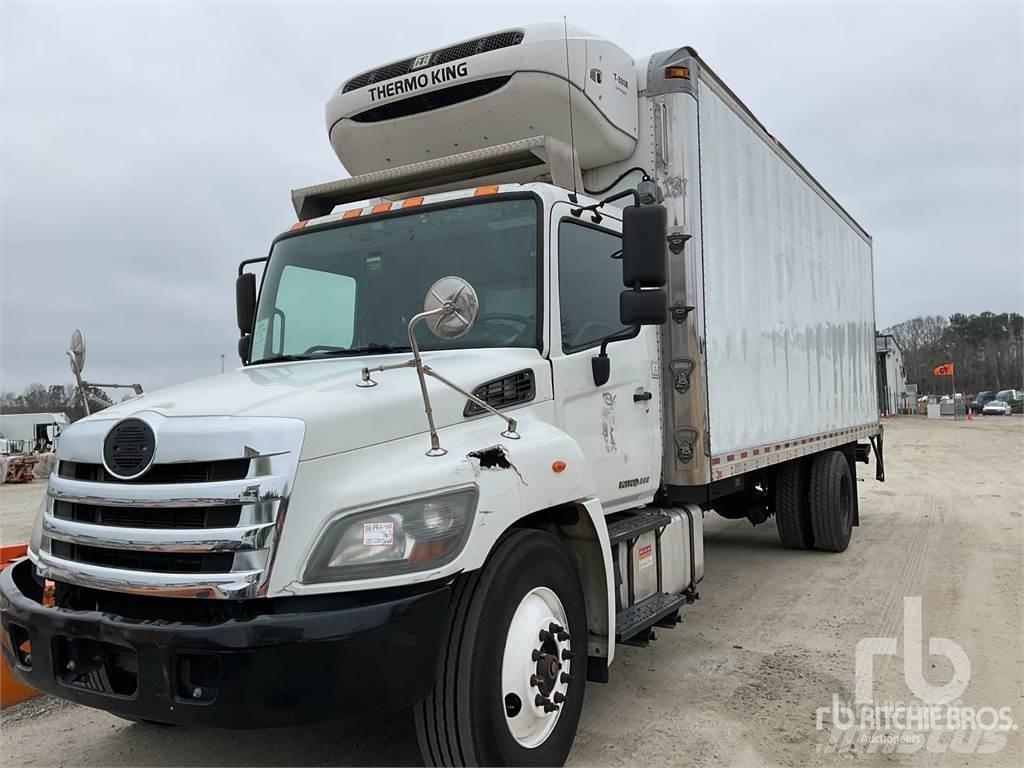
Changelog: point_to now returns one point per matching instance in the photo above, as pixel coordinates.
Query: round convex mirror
(461, 302)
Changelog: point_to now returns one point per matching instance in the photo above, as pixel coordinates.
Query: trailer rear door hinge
(676, 242)
(685, 439)
(680, 311)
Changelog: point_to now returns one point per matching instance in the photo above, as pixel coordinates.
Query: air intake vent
(425, 102)
(185, 472)
(149, 517)
(443, 56)
(157, 562)
(501, 393)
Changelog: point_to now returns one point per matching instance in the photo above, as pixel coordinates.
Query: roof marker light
(412, 201)
(297, 225)
(682, 73)
(488, 190)
(351, 213)
(381, 207)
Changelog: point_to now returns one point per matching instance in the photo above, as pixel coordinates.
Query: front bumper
(308, 659)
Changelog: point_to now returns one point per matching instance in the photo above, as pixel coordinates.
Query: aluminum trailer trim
(737, 462)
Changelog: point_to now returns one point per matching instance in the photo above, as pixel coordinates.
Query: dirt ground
(740, 681)
(18, 505)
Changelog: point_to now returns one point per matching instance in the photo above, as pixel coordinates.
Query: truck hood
(339, 416)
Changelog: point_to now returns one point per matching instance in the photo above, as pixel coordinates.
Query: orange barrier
(12, 691)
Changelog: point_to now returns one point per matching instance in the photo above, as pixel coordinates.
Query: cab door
(617, 424)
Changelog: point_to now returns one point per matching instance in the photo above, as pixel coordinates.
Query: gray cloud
(147, 149)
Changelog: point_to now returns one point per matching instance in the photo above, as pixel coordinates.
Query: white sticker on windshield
(259, 339)
(379, 534)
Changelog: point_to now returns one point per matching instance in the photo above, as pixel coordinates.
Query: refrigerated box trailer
(569, 303)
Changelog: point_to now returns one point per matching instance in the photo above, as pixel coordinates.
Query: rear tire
(789, 500)
(831, 501)
(468, 717)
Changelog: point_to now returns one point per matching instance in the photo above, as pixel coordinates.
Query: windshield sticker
(259, 338)
(379, 534)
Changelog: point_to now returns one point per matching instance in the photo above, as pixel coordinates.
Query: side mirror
(644, 234)
(245, 348)
(245, 301)
(646, 307)
(459, 301)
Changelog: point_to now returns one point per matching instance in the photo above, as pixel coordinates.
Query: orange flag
(946, 369)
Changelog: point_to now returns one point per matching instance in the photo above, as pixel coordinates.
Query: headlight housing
(398, 538)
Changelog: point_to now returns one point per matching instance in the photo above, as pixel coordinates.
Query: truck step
(635, 525)
(645, 614)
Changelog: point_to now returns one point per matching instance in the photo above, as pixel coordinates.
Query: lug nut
(549, 707)
(534, 681)
(558, 698)
(544, 635)
(540, 700)
(197, 693)
(563, 636)
(535, 655)
(566, 655)
(28, 659)
(555, 628)
(565, 677)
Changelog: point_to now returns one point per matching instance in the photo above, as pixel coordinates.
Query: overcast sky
(147, 148)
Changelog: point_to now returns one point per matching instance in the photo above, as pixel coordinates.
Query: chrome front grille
(186, 528)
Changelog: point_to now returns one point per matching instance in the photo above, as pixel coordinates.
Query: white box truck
(568, 303)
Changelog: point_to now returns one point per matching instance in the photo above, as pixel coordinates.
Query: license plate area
(95, 666)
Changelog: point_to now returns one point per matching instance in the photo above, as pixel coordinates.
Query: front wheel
(510, 683)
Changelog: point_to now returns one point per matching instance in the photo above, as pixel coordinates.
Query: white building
(31, 431)
(893, 395)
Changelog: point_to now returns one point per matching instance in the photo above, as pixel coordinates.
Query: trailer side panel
(789, 306)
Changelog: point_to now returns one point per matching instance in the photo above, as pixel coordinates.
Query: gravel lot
(740, 680)
(18, 505)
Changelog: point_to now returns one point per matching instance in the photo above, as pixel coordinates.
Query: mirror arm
(509, 433)
(601, 366)
(435, 442)
(624, 335)
(611, 199)
(243, 264)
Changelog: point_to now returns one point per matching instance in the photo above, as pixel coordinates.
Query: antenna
(568, 88)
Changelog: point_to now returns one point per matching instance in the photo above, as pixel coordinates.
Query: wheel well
(574, 527)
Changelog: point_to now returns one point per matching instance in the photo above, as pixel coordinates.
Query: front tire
(831, 501)
(509, 687)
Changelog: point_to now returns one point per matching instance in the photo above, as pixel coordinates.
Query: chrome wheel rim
(536, 667)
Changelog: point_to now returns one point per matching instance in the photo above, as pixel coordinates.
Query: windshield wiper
(282, 359)
(366, 349)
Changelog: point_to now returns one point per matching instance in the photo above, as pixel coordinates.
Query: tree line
(56, 398)
(987, 351)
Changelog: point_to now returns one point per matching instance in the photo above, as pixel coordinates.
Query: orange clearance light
(488, 190)
(352, 213)
(381, 207)
(412, 201)
(558, 466)
(682, 73)
(298, 225)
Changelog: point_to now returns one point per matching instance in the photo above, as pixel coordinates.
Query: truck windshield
(352, 289)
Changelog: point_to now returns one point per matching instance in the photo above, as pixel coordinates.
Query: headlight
(410, 536)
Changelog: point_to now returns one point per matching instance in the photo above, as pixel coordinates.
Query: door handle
(642, 396)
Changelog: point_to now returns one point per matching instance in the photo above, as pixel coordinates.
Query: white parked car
(996, 408)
